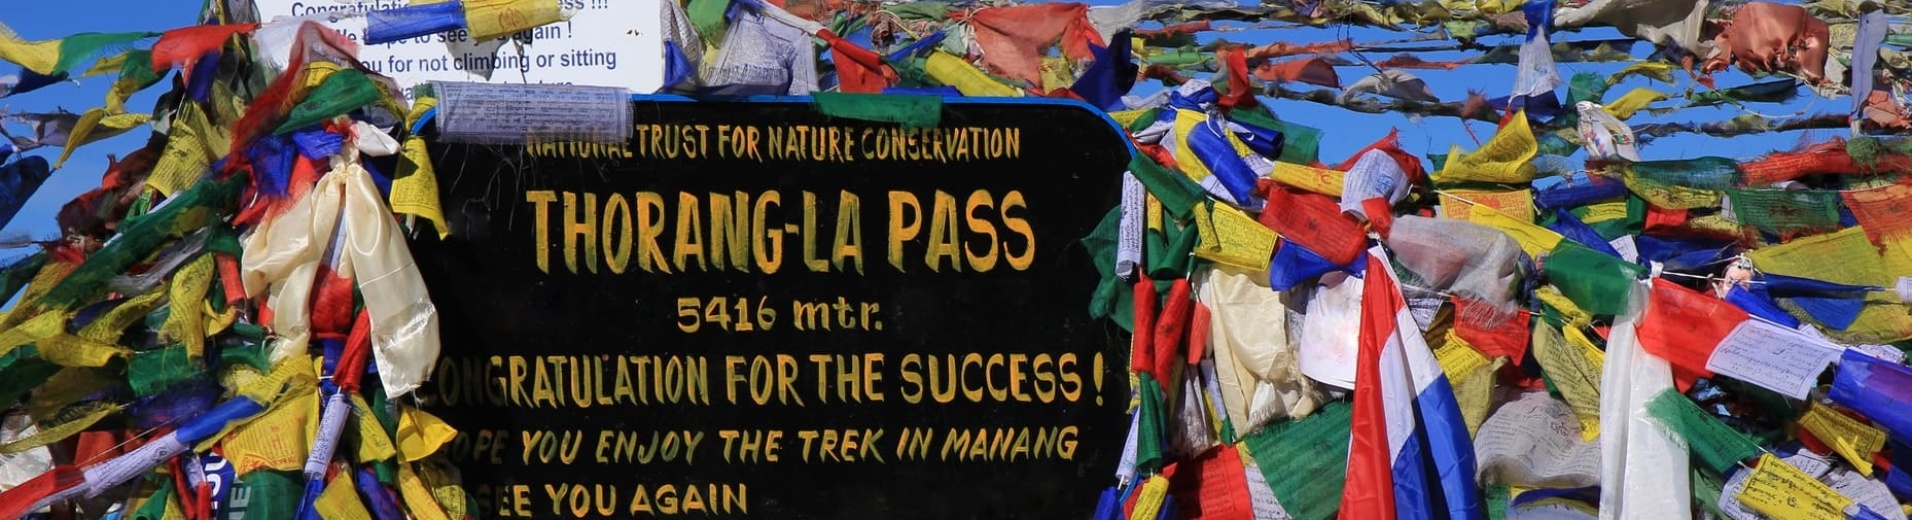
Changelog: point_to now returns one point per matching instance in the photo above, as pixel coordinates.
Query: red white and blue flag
(1410, 455)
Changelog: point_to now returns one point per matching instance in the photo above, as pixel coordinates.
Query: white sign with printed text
(611, 43)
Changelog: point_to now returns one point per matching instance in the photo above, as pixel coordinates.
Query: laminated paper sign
(608, 43)
(754, 310)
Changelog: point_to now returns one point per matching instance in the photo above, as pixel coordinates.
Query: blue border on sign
(955, 100)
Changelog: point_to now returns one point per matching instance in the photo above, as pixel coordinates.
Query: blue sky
(1346, 131)
(43, 20)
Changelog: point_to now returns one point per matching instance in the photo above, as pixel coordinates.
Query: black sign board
(757, 310)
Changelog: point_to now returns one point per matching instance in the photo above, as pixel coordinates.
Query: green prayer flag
(1299, 144)
(138, 238)
(1170, 256)
(1707, 488)
(340, 94)
(16, 276)
(1177, 192)
(1718, 446)
(1764, 92)
(1148, 118)
(1181, 58)
(910, 111)
(1595, 281)
(708, 17)
(1111, 299)
(1497, 498)
(84, 48)
(273, 494)
(154, 507)
(1149, 442)
(918, 10)
(1706, 173)
(22, 370)
(1585, 86)
(1306, 460)
(153, 371)
(255, 355)
(1785, 211)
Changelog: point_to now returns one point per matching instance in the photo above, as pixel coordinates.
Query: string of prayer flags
(1278, 363)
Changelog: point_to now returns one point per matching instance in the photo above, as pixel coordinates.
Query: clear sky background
(1345, 131)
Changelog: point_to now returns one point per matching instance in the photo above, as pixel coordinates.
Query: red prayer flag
(1313, 71)
(1198, 334)
(185, 45)
(17, 502)
(1013, 38)
(859, 70)
(1884, 212)
(1492, 335)
(1170, 328)
(1212, 486)
(1142, 354)
(1410, 164)
(1314, 221)
(1683, 327)
(1234, 63)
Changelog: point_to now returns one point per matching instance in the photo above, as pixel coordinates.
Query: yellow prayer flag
(96, 125)
(1317, 180)
(418, 498)
(415, 188)
(1877, 323)
(1634, 100)
(1659, 70)
(1149, 504)
(1231, 237)
(1670, 196)
(106, 65)
(110, 326)
(277, 440)
(340, 500)
(1850, 438)
(1858, 260)
(186, 322)
(1550, 295)
(373, 443)
(953, 71)
(421, 434)
(1518, 204)
(186, 155)
(38, 56)
(1605, 211)
(69, 424)
(1057, 72)
(1576, 374)
(1783, 492)
(69, 385)
(489, 19)
(445, 489)
(1533, 239)
(41, 327)
(28, 306)
(1127, 117)
(1505, 158)
(1458, 358)
(68, 350)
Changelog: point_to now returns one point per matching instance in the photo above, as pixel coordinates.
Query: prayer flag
(1410, 449)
